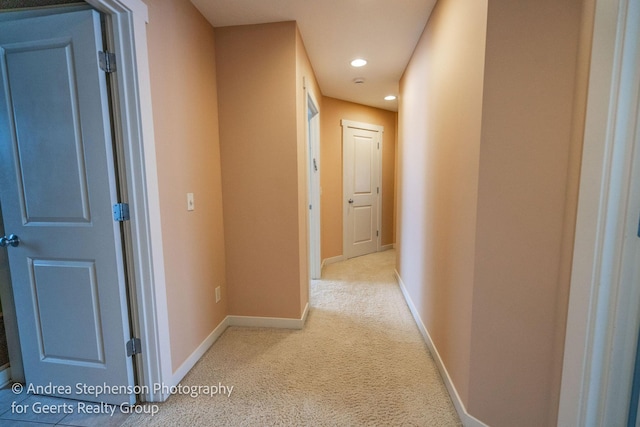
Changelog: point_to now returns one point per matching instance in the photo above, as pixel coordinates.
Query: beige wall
(438, 154)
(182, 67)
(257, 95)
(530, 81)
(486, 197)
(333, 111)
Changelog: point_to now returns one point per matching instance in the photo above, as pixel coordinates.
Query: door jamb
(127, 21)
(598, 316)
(313, 146)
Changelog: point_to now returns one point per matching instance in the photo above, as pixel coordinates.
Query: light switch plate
(190, 203)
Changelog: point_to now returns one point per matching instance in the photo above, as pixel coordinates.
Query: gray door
(57, 190)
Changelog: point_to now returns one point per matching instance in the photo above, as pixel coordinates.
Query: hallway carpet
(360, 360)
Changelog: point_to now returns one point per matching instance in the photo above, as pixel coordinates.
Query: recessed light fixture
(390, 97)
(359, 62)
(358, 80)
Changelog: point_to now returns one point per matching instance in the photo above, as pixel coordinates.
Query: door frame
(127, 33)
(603, 313)
(313, 147)
(135, 142)
(345, 208)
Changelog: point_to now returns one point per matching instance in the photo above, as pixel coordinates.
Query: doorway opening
(313, 180)
(604, 317)
(60, 185)
(126, 32)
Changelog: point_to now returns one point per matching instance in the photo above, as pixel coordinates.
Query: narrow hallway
(360, 360)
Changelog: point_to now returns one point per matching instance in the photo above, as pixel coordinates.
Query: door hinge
(107, 61)
(134, 346)
(378, 190)
(378, 145)
(310, 207)
(121, 212)
(638, 227)
(377, 233)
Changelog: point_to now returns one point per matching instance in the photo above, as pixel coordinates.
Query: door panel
(362, 159)
(362, 220)
(44, 168)
(361, 183)
(58, 188)
(74, 282)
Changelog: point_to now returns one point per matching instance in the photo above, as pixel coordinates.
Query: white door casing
(58, 188)
(604, 314)
(313, 138)
(361, 187)
(127, 38)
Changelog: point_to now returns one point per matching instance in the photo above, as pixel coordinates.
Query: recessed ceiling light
(358, 80)
(389, 97)
(358, 62)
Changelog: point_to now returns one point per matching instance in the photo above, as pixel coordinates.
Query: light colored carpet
(360, 360)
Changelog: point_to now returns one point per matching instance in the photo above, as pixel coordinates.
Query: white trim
(188, 364)
(380, 192)
(387, 247)
(332, 260)
(467, 419)
(269, 322)
(243, 321)
(603, 316)
(361, 125)
(312, 137)
(128, 20)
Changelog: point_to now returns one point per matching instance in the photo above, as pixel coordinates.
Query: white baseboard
(467, 419)
(259, 322)
(269, 322)
(386, 247)
(186, 366)
(332, 260)
(5, 375)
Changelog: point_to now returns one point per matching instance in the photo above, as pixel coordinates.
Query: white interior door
(57, 190)
(361, 178)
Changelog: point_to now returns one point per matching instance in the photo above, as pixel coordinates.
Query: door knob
(351, 201)
(12, 240)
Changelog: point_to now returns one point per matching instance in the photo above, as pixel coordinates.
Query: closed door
(361, 169)
(57, 190)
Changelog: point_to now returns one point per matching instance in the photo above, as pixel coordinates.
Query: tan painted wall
(182, 64)
(526, 152)
(490, 118)
(438, 154)
(256, 78)
(333, 111)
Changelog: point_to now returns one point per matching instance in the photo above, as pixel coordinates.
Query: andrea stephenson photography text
(90, 391)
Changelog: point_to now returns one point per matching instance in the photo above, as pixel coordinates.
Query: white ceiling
(384, 32)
